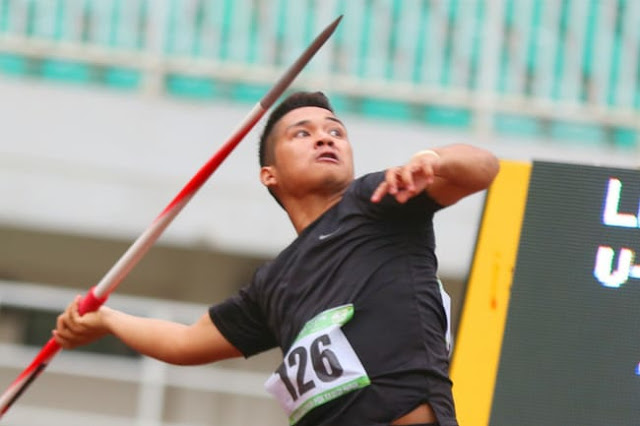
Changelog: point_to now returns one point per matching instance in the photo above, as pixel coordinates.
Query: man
(354, 302)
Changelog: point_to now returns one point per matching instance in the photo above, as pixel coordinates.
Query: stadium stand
(566, 70)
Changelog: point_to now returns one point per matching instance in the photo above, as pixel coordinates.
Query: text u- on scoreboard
(550, 328)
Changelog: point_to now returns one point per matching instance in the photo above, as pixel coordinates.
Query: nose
(324, 139)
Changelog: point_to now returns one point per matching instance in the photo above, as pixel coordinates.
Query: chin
(338, 180)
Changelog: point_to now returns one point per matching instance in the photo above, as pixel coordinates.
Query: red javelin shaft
(98, 294)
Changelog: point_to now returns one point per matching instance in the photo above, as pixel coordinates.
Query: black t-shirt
(380, 258)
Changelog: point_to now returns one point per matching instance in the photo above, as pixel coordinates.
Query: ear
(268, 176)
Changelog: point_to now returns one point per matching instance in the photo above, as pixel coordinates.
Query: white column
(153, 68)
(488, 70)
(153, 382)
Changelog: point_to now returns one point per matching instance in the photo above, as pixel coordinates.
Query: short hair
(294, 101)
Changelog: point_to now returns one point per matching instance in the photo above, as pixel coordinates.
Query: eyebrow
(305, 122)
(336, 120)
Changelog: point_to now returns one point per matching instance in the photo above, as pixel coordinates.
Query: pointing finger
(380, 192)
(391, 177)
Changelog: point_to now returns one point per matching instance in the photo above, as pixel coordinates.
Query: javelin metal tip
(330, 28)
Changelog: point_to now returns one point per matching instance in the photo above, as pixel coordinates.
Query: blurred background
(108, 107)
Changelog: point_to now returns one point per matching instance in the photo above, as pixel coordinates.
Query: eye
(300, 133)
(336, 132)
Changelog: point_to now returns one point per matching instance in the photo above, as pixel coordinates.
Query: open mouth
(329, 157)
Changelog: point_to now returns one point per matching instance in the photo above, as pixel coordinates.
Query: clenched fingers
(73, 330)
(66, 326)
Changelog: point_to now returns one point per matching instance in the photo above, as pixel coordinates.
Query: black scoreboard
(550, 330)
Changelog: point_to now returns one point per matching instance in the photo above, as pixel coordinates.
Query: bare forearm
(467, 166)
(198, 343)
(460, 170)
(152, 337)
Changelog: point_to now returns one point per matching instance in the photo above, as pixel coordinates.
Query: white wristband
(426, 152)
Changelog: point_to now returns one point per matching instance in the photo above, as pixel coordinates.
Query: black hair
(291, 102)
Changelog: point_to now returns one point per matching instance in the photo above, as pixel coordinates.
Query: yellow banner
(479, 338)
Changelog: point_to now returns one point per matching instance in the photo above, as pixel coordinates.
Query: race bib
(320, 366)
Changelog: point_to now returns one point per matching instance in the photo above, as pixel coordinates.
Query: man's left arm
(447, 174)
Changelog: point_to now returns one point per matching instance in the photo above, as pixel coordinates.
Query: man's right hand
(73, 330)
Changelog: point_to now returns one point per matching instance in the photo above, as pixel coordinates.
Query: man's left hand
(405, 182)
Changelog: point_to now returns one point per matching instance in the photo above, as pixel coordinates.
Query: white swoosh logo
(325, 236)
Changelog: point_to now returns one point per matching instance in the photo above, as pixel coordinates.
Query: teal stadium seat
(11, 64)
(448, 116)
(66, 71)
(510, 124)
(625, 138)
(122, 78)
(381, 108)
(248, 93)
(192, 87)
(583, 133)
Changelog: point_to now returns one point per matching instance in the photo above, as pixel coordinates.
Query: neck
(303, 211)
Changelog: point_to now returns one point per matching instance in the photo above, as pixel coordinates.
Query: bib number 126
(324, 364)
(320, 366)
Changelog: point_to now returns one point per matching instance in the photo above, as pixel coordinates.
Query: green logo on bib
(337, 316)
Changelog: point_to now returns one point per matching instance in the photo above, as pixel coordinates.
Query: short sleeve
(242, 323)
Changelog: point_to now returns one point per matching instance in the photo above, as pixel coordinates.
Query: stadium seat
(509, 124)
(448, 116)
(122, 78)
(13, 64)
(249, 93)
(381, 108)
(583, 133)
(192, 87)
(65, 71)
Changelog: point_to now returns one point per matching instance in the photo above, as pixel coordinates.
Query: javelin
(98, 294)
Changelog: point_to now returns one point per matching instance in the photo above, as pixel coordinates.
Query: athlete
(353, 302)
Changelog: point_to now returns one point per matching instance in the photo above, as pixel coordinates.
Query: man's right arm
(174, 343)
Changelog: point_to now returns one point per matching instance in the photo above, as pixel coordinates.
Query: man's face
(311, 152)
